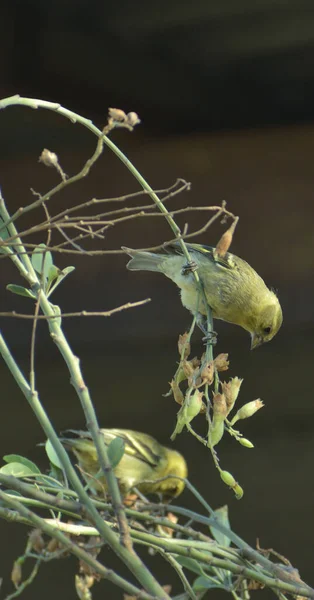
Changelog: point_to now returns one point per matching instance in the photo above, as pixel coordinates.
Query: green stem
(78, 551)
(169, 545)
(130, 559)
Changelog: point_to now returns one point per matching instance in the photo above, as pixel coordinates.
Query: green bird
(233, 289)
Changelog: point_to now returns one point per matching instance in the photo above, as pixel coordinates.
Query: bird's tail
(143, 261)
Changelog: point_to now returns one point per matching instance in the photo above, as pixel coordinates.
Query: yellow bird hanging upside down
(143, 463)
(233, 290)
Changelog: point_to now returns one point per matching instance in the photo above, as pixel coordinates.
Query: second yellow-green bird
(142, 465)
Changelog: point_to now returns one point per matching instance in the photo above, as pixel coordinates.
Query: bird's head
(268, 322)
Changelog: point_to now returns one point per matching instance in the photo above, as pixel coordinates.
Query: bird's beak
(256, 341)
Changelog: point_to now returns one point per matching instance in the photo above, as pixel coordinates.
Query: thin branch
(83, 313)
(75, 549)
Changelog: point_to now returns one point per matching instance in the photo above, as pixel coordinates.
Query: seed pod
(246, 443)
(16, 574)
(228, 479)
(248, 410)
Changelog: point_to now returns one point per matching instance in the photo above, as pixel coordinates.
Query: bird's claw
(210, 338)
(189, 267)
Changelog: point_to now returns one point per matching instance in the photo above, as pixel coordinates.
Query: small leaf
(16, 458)
(20, 290)
(52, 455)
(205, 583)
(47, 480)
(41, 257)
(190, 564)
(221, 515)
(115, 451)
(54, 273)
(16, 469)
(67, 271)
(62, 274)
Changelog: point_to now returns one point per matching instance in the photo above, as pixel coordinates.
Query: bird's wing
(140, 446)
(209, 251)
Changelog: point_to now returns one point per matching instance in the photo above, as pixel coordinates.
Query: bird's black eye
(267, 330)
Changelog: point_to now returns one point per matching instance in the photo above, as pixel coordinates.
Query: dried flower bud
(207, 373)
(231, 390)
(195, 362)
(116, 114)
(16, 574)
(36, 541)
(221, 362)
(177, 394)
(184, 345)
(248, 410)
(48, 158)
(53, 545)
(246, 443)
(226, 239)
(168, 531)
(220, 409)
(82, 585)
(133, 119)
(188, 368)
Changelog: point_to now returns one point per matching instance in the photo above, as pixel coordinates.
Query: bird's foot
(189, 267)
(210, 338)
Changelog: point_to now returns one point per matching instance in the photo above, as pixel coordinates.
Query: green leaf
(62, 274)
(221, 515)
(52, 455)
(190, 564)
(115, 451)
(67, 271)
(54, 273)
(205, 583)
(42, 260)
(20, 290)
(16, 469)
(16, 458)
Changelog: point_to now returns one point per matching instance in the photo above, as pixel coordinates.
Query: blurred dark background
(225, 92)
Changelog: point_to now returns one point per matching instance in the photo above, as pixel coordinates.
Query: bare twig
(82, 313)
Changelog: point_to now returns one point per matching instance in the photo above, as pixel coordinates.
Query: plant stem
(79, 552)
(130, 559)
